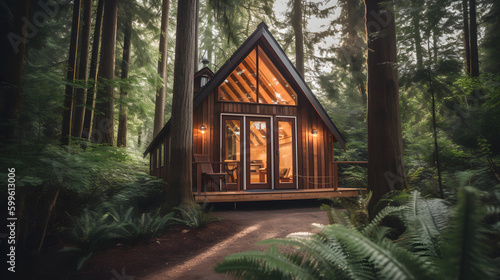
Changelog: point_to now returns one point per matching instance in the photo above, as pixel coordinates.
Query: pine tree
(81, 93)
(12, 53)
(159, 120)
(94, 64)
(121, 139)
(69, 95)
(180, 175)
(386, 170)
(103, 125)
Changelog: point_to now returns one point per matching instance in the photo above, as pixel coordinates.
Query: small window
(158, 157)
(162, 153)
(151, 161)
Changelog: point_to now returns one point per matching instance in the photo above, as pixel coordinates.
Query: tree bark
(418, 39)
(354, 44)
(474, 58)
(465, 26)
(121, 139)
(197, 23)
(12, 50)
(386, 170)
(81, 93)
(94, 62)
(299, 36)
(103, 125)
(69, 95)
(179, 187)
(161, 94)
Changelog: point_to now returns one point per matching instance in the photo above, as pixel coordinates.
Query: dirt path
(255, 225)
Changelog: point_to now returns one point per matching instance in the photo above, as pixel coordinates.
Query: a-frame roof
(260, 36)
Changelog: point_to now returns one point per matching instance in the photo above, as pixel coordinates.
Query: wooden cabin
(259, 133)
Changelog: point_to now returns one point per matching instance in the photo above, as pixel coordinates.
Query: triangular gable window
(256, 79)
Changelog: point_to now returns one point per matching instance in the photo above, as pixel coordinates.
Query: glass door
(258, 153)
(285, 157)
(232, 150)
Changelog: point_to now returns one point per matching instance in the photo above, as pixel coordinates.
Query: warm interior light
(203, 128)
(314, 132)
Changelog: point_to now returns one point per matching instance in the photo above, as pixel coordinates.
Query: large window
(256, 79)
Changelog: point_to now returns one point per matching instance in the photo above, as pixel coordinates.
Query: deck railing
(336, 173)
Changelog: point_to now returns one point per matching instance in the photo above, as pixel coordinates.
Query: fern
(431, 248)
(391, 262)
(194, 216)
(464, 248)
(424, 219)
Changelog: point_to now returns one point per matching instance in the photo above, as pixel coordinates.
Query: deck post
(198, 178)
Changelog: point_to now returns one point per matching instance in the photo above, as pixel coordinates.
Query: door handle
(278, 151)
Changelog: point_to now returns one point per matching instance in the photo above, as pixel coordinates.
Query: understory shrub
(440, 242)
(95, 230)
(195, 216)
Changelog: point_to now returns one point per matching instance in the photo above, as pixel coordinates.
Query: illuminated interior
(265, 85)
(285, 151)
(232, 148)
(258, 152)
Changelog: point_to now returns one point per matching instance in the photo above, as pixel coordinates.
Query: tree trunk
(70, 76)
(418, 41)
(465, 25)
(474, 60)
(12, 57)
(161, 94)
(196, 49)
(103, 125)
(299, 36)
(121, 140)
(180, 175)
(354, 43)
(386, 171)
(81, 93)
(94, 61)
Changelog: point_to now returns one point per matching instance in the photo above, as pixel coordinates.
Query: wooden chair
(205, 171)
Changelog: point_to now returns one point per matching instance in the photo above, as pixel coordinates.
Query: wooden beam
(232, 196)
(350, 162)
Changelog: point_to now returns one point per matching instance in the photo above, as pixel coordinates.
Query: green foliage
(110, 225)
(194, 216)
(85, 174)
(432, 247)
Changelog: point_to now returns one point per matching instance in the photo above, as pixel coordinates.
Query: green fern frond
(263, 265)
(424, 219)
(464, 244)
(389, 210)
(391, 262)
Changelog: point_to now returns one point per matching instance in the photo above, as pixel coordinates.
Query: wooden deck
(232, 196)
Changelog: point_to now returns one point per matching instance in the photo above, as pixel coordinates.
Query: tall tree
(491, 38)
(299, 36)
(196, 28)
(161, 93)
(81, 93)
(386, 170)
(474, 57)
(12, 50)
(94, 62)
(180, 175)
(103, 125)
(121, 139)
(70, 76)
(465, 26)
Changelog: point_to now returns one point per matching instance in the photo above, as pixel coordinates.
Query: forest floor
(191, 254)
